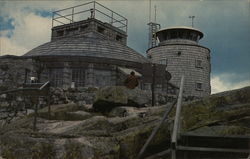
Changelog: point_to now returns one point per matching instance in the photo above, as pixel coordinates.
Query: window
(83, 28)
(198, 63)
(78, 77)
(163, 61)
(100, 30)
(198, 86)
(158, 87)
(147, 86)
(174, 35)
(118, 38)
(102, 78)
(60, 33)
(56, 77)
(71, 31)
(179, 53)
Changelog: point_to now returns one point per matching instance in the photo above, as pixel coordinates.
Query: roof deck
(89, 10)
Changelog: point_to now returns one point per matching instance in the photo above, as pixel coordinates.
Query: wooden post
(176, 121)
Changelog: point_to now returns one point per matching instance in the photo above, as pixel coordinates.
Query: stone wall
(12, 71)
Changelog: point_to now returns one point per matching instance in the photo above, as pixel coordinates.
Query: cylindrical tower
(180, 51)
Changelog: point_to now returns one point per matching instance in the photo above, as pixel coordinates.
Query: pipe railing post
(155, 130)
(177, 120)
(35, 115)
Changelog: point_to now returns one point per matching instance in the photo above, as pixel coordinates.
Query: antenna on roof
(155, 13)
(149, 19)
(192, 18)
(153, 28)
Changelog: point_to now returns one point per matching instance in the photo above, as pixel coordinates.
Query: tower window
(198, 63)
(100, 30)
(163, 61)
(179, 53)
(118, 38)
(198, 86)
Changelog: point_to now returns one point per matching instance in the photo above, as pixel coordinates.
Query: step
(229, 142)
(185, 152)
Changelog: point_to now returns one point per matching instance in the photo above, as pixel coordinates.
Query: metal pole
(52, 19)
(149, 19)
(72, 15)
(177, 118)
(153, 85)
(94, 10)
(126, 26)
(156, 130)
(49, 98)
(35, 116)
(192, 18)
(26, 75)
(155, 13)
(111, 18)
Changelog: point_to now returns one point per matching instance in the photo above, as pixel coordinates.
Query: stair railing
(156, 129)
(177, 121)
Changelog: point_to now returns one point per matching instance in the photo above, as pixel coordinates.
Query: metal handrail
(177, 120)
(156, 129)
(27, 89)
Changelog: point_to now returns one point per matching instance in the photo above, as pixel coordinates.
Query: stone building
(180, 51)
(93, 53)
(87, 50)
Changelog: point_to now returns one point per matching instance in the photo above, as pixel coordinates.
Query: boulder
(226, 113)
(113, 96)
(66, 112)
(94, 137)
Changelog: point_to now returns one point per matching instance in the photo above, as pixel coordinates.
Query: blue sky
(225, 23)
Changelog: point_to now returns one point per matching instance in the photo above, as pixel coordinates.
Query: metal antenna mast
(155, 14)
(149, 11)
(153, 28)
(192, 18)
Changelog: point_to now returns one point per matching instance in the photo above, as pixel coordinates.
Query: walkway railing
(33, 90)
(89, 10)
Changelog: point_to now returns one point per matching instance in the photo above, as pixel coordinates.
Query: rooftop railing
(89, 10)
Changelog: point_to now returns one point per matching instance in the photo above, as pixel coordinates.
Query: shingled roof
(89, 47)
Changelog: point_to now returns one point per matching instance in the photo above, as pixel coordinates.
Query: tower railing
(89, 10)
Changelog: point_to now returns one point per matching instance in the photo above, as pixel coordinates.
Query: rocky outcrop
(75, 132)
(226, 113)
(110, 97)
